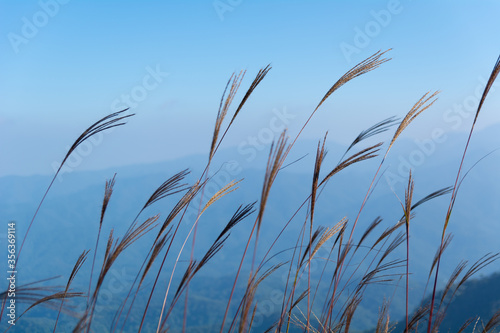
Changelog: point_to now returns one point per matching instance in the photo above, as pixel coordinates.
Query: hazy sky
(64, 64)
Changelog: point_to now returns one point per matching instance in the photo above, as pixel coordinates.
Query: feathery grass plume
(112, 120)
(29, 292)
(362, 155)
(230, 187)
(348, 314)
(340, 236)
(79, 263)
(342, 251)
(440, 314)
(238, 216)
(158, 247)
(416, 318)
(368, 231)
(246, 306)
(439, 252)
(423, 104)
(179, 206)
(169, 187)
(58, 296)
(484, 261)
(187, 274)
(108, 122)
(249, 296)
(341, 225)
(378, 128)
(277, 155)
(327, 234)
(383, 318)
(319, 238)
(85, 320)
(389, 231)
(193, 268)
(108, 191)
(61, 295)
(252, 318)
(320, 156)
(492, 323)
(294, 319)
(465, 325)
(408, 201)
(451, 281)
(114, 249)
(260, 76)
(396, 242)
(365, 154)
(34, 295)
(212, 251)
(234, 83)
(311, 243)
(299, 299)
(407, 213)
(491, 80)
(374, 275)
(432, 196)
(258, 79)
(363, 67)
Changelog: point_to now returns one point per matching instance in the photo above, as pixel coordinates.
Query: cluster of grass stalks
(305, 309)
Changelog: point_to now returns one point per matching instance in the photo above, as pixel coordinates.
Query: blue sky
(65, 64)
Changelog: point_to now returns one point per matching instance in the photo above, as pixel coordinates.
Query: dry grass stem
(376, 129)
(423, 104)
(169, 187)
(363, 67)
(220, 193)
(362, 155)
